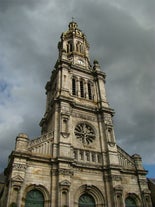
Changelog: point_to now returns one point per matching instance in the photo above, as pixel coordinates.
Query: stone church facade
(76, 161)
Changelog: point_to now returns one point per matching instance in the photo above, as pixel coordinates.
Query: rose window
(84, 133)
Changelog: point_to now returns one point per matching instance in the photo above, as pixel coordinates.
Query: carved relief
(65, 123)
(20, 167)
(83, 116)
(64, 172)
(107, 119)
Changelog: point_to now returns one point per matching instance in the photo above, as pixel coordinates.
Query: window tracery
(84, 133)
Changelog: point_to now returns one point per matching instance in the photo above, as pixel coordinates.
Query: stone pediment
(17, 178)
(65, 183)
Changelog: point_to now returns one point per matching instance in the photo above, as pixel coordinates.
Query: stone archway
(36, 194)
(89, 194)
(132, 200)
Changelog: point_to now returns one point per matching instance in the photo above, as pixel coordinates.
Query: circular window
(84, 133)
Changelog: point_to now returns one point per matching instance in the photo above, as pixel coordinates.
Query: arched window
(34, 198)
(82, 89)
(90, 91)
(73, 86)
(86, 200)
(69, 47)
(130, 202)
(79, 47)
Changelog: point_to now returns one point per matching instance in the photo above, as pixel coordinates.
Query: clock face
(80, 62)
(84, 133)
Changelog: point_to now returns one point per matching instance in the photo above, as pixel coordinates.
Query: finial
(73, 25)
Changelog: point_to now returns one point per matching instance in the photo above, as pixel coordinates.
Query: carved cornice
(66, 172)
(19, 166)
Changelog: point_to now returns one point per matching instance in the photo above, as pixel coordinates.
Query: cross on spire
(73, 19)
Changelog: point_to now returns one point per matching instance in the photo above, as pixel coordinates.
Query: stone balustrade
(42, 145)
(87, 156)
(125, 159)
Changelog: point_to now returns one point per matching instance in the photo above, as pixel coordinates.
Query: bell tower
(77, 110)
(76, 94)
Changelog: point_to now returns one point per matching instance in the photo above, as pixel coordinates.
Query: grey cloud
(121, 37)
(30, 4)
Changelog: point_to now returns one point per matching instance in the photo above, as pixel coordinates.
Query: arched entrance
(34, 198)
(86, 200)
(130, 202)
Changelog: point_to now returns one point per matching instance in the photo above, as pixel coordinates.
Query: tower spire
(74, 47)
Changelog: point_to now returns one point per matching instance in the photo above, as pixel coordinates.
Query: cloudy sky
(121, 35)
